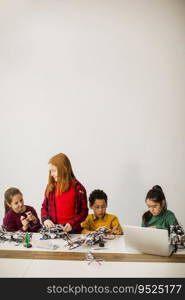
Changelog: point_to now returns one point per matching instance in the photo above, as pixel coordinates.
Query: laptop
(148, 240)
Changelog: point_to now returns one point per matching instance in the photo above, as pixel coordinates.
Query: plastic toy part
(91, 258)
(45, 245)
(177, 236)
(27, 243)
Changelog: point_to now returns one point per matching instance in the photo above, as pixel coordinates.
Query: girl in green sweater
(158, 216)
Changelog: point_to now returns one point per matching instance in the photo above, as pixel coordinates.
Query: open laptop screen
(147, 240)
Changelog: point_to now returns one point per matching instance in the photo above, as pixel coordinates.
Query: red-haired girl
(65, 199)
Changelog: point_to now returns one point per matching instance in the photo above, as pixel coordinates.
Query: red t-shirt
(65, 206)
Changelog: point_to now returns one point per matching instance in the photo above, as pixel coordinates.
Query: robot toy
(97, 237)
(56, 232)
(18, 237)
(177, 236)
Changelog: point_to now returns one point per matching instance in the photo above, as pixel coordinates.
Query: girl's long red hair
(65, 174)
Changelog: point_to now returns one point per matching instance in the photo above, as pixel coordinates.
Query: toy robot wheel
(101, 244)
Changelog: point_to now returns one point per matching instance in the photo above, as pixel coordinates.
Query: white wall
(103, 82)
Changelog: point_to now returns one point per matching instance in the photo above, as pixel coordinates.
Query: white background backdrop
(103, 82)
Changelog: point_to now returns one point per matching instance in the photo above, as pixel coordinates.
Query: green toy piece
(27, 243)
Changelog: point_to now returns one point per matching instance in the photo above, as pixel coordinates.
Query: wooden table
(115, 251)
(118, 261)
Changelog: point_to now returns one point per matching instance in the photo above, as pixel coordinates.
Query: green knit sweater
(162, 221)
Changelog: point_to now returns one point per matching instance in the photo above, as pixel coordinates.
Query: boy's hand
(88, 231)
(25, 223)
(67, 227)
(108, 230)
(115, 230)
(31, 217)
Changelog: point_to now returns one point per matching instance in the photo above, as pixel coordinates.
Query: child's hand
(49, 224)
(86, 231)
(115, 230)
(31, 217)
(108, 230)
(67, 227)
(89, 232)
(25, 223)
